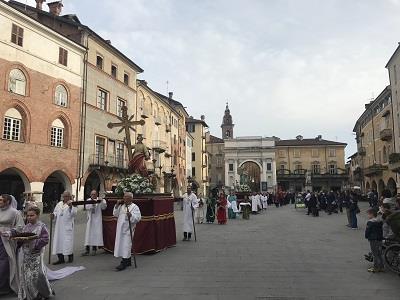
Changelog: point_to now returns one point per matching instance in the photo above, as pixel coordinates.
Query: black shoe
(128, 262)
(121, 267)
(58, 262)
(70, 259)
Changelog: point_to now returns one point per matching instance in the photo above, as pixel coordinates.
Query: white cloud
(286, 67)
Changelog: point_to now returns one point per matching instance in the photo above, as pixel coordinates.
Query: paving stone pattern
(278, 254)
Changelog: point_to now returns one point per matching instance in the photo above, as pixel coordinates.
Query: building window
(332, 152)
(100, 150)
(230, 167)
(298, 168)
(114, 71)
(63, 56)
(316, 168)
(120, 103)
(296, 153)
(12, 129)
(120, 154)
(193, 172)
(57, 134)
(61, 96)
(17, 82)
(102, 97)
(99, 62)
(17, 35)
(269, 167)
(395, 74)
(385, 155)
(193, 156)
(282, 167)
(314, 152)
(191, 127)
(332, 168)
(126, 79)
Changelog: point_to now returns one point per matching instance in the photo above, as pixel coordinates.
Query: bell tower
(227, 124)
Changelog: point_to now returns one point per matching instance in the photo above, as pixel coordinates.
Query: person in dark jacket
(374, 234)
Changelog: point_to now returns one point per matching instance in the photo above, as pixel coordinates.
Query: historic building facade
(109, 82)
(216, 163)
(40, 106)
(314, 164)
(375, 138)
(198, 128)
(251, 161)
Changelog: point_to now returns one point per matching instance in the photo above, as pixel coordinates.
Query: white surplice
(94, 225)
(264, 200)
(254, 203)
(123, 239)
(189, 202)
(63, 241)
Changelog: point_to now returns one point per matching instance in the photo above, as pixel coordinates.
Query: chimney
(299, 137)
(55, 7)
(108, 42)
(170, 95)
(319, 137)
(39, 4)
(202, 117)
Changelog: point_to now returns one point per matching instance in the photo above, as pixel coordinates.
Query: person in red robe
(221, 211)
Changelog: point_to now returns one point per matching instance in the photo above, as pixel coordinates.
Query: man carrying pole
(128, 215)
(190, 202)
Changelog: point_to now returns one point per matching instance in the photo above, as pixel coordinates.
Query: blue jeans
(353, 219)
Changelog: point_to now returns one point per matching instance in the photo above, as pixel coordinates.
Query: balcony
(285, 174)
(159, 146)
(374, 170)
(362, 151)
(157, 121)
(168, 128)
(386, 134)
(145, 113)
(334, 174)
(110, 161)
(394, 162)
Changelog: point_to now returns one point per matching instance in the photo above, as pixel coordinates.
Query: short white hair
(128, 194)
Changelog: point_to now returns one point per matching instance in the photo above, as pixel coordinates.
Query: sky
(286, 67)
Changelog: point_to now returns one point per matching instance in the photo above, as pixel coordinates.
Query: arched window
(12, 129)
(61, 96)
(17, 82)
(57, 133)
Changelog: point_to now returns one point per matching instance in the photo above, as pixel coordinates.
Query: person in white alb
(63, 241)
(190, 203)
(128, 214)
(94, 224)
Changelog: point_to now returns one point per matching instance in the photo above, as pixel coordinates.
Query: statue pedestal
(155, 232)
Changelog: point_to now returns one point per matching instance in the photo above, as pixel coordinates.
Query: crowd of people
(23, 238)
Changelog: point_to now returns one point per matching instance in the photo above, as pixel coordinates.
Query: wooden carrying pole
(130, 230)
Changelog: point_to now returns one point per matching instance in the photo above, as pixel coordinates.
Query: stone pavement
(279, 254)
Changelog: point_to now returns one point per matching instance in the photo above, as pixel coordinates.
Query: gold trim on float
(144, 218)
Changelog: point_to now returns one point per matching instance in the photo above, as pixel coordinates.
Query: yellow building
(315, 164)
(160, 132)
(198, 129)
(375, 143)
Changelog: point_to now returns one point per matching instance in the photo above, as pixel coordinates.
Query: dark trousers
(4, 268)
(376, 249)
(94, 248)
(353, 219)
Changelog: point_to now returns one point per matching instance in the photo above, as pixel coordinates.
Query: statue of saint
(140, 155)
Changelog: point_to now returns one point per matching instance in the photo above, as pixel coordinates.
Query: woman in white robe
(63, 241)
(125, 211)
(94, 225)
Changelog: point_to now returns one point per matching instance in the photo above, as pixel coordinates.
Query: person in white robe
(128, 214)
(63, 242)
(254, 203)
(190, 203)
(94, 224)
(10, 218)
(264, 200)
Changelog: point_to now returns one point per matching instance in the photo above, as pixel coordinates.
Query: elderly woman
(10, 218)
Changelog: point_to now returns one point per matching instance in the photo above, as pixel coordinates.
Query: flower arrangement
(244, 188)
(135, 184)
